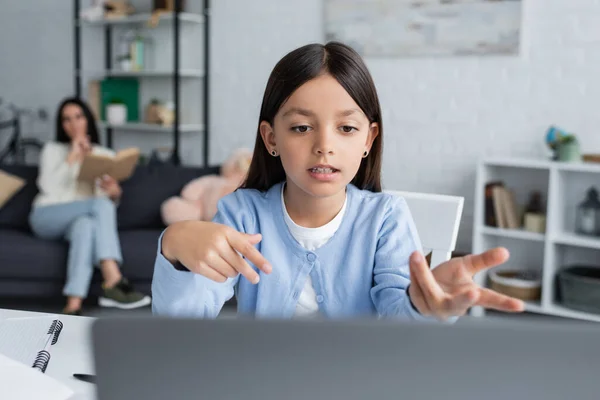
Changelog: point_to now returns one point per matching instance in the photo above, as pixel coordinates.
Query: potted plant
(568, 148)
(116, 112)
(124, 62)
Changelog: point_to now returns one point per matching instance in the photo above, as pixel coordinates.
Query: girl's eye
(301, 128)
(348, 129)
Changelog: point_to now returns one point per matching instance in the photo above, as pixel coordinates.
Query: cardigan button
(311, 257)
(320, 299)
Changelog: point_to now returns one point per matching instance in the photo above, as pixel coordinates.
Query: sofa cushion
(9, 186)
(15, 213)
(23, 256)
(148, 188)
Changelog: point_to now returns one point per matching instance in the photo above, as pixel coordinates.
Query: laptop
(249, 359)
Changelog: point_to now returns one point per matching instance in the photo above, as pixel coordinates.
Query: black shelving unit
(176, 132)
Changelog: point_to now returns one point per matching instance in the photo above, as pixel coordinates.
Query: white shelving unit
(176, 70)
(563, 187)
(143, 18)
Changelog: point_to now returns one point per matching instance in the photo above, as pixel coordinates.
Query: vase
(116, 114)
(569, 152)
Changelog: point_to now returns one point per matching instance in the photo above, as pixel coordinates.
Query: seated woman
(81, 212)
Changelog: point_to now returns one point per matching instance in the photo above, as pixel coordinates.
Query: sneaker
(123, 296)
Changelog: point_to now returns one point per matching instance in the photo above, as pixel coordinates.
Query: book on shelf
(490, 214)
(120, 166)
(501, 210)
(511, 212)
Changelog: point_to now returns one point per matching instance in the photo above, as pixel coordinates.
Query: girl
(319, 235)
(82, 213)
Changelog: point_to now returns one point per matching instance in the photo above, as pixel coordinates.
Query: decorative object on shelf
(579, 288)
(116, 112)
(568, 149)
(137, 53)
(199, 198)
(93, 13)
(160, 7)
(564, 145)
(151, 114)
(114, 9)
(588, 214)
(522, 284)
(593, 158)
(133, 51)
(124, 62)
(535, 218)
(159, 113)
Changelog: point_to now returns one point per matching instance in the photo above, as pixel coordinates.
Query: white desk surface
(71, 354)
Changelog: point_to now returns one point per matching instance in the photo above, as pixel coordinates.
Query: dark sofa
(32, 267)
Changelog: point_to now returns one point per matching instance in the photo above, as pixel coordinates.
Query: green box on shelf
(123, 90)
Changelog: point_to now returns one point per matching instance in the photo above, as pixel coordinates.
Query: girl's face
(321, 135)
(73, 121)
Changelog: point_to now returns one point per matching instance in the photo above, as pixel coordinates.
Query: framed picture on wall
(397, 28)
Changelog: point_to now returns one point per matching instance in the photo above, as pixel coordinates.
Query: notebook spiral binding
(41, 361)
(43, 357)
(58, 325)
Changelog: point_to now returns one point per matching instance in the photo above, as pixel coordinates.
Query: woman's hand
(111, 187)
(80, 146)
(213, 250)
(448, 290)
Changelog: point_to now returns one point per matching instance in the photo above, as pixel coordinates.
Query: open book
(120, 167)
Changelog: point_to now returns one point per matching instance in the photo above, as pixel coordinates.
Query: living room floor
(93, 310)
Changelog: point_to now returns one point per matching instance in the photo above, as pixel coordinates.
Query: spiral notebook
(30, 340)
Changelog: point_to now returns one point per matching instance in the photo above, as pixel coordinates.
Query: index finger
(488, 259)
(242, 245)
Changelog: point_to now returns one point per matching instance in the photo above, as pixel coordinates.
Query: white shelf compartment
(578, 240)
(513, 233)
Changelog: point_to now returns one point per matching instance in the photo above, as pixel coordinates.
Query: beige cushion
(9, 186)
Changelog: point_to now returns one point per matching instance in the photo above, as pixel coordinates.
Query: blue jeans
(90, 226)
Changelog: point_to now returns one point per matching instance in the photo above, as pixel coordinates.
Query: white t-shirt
(311, 239)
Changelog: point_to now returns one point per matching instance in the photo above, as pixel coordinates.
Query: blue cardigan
(361, 271)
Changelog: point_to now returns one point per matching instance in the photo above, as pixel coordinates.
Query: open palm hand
(449, 290)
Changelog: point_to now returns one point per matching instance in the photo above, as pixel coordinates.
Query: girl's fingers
(244, 244)
(216, 262)
(461, 302)
(417, 293)
(204, 269)
(236, 261)
(433, 293)
(488, 259)
(496, 301)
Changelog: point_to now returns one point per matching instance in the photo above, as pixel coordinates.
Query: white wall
(36, 60)
(440, 114)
